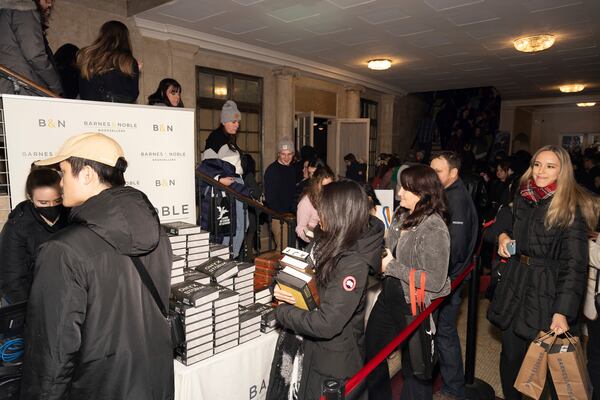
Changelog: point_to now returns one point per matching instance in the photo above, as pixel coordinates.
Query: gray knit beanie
(285, 144)
(230, 112)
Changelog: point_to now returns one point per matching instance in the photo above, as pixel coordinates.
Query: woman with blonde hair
(542, 284)
(109, 72)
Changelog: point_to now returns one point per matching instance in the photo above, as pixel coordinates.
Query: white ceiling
(435, 44)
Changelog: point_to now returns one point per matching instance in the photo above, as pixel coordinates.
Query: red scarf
(532, 192)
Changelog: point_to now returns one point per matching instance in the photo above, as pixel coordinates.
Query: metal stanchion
(333, 390)
(476, 389)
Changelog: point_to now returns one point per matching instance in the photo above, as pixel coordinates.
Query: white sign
(158, 143)
(385, 211)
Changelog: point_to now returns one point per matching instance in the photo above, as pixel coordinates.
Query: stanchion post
(333, 390)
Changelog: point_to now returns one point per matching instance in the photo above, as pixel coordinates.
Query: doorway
(320, 126)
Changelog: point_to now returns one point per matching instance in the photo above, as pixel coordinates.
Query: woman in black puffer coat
(30, 224)
(542, 285)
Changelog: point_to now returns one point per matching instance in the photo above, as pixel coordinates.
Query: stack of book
(220, 271)
(198, 248)
(193, 302)
(227, 319)
(219, 250)
(263, 296)
(191, 274)
(268, 322)
(267, 265)
(250, 323)
(243, 283)
(177, 270)
(296, 277)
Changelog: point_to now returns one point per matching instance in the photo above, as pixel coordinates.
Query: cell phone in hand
(511, 247)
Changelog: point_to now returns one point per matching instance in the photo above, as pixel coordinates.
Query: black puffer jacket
(23, 233)
(333, 334)
(22, 46)
(93, 330)
(529, 295)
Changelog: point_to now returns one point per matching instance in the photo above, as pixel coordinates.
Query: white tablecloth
(239, 373)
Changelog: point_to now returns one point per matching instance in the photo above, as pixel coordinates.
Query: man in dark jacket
(22, 45)
(463, 226)
(93, 329)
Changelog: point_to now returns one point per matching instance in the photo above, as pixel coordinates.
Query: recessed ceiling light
(573, 88)
(589, 104)
(379, 64)
(530, 44)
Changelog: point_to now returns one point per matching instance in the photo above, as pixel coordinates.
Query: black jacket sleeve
(14, 269)
(338, 305)
(270, 186)
(31, 41)
(463, 235)
(56, 311)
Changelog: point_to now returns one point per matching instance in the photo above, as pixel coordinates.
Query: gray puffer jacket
(22, 46)
(425, 247)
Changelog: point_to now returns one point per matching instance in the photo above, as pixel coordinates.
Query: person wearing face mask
(31, 223)
(543, 282)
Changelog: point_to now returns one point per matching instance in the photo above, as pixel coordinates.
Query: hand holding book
(284, 296)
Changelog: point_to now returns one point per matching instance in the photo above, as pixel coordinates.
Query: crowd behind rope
(544, 204)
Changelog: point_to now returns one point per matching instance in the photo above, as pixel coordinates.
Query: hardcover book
(187, 310)
(249, 317)
(226, 296)
(266, 312)
(218, 269)
(196, 276)
(177, 239)
(181, 228)
(203, 235)
(194, 293)
(301, 285)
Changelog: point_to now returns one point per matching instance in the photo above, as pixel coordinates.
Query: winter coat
(217, 146)
(333, 333)
(113, 86)
(93, 329)
(23, 233)
(22, 46)
(529, 295)
(425, 247)
(216, 169)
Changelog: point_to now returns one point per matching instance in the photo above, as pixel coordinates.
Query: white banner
(158, 143)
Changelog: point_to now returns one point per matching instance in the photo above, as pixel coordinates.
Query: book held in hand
(301, 285)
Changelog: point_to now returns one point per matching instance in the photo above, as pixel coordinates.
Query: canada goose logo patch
(349, 283)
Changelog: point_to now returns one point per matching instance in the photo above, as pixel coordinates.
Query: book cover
(181, 228)
(244, 269)
(267, 313)
(301, 285)
(249, 317)
(194, 293)
(296, 253)
(288, 261)
(218, 269)
(196, 276)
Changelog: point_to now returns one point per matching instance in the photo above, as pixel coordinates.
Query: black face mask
(50, 213)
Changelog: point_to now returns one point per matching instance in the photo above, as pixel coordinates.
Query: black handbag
(219, 220)
(175, 323)
(420, 351)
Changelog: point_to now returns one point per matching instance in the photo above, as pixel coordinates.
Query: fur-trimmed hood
(21, 5)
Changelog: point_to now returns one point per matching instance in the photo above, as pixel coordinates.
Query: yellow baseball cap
(91, 146)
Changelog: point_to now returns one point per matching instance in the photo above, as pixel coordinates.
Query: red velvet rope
(402, 336)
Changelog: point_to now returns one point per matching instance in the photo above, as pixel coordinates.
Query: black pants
(513, 352)
(448, 345)
(385, 322)
(593, 353)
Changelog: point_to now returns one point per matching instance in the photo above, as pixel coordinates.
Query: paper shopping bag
(534, 369)
(566, 361)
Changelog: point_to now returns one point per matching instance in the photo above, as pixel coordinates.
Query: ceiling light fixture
(589, 104)
(572, 88)
(379, 64)
(531, 44)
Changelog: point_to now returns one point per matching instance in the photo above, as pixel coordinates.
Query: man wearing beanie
(94, 330)
(280, 185)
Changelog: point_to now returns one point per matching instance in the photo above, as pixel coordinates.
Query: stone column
(284, 77)
(385, 124)
(353, 100)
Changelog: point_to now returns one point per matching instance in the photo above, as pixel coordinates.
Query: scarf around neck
(532, 192)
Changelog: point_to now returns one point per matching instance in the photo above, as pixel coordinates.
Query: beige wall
(522, 125)
(548, 125)
(408, 110)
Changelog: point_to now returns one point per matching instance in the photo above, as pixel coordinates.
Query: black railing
(262, 216)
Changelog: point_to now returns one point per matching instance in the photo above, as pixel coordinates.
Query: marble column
(385, 135)
(284, 77)
(353, 100)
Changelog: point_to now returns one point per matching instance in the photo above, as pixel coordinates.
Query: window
(214, 88)
(368, 109)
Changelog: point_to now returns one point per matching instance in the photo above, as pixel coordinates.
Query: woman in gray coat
(23, 47)
(417, 239)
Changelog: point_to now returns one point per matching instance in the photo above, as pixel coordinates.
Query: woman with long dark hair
(348, 242)
(107, 67)
(418, 239)
(542, 284)
(167, 94)
(30, 224)
(307, 216)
